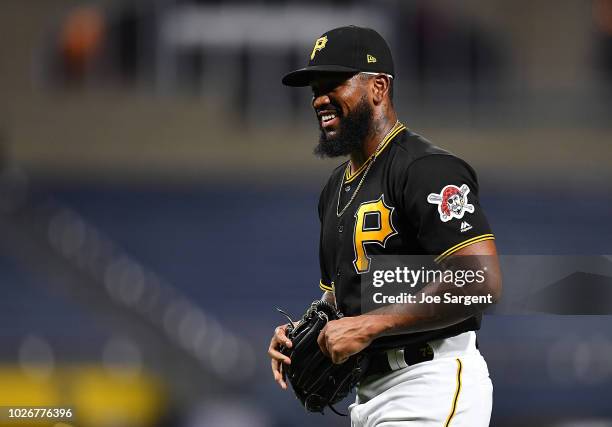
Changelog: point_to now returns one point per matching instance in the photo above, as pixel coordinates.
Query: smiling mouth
(328, 119)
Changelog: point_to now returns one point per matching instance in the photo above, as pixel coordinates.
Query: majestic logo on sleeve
(452, 202)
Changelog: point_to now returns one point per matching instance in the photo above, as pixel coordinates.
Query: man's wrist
(380, 325)
(377, 325)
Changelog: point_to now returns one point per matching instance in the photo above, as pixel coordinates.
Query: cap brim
(304, 76)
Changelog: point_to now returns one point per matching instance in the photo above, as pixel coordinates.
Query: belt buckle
(396, 359)
(400, 358)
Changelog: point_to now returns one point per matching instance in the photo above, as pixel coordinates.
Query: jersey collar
(348, 176)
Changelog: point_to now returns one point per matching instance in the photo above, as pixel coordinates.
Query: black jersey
(415, 199)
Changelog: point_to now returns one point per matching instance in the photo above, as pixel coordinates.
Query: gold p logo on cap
(319, 45)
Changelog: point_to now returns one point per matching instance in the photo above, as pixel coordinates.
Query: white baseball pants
(452, 390)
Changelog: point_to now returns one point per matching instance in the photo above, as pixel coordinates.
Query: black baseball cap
(349, 49)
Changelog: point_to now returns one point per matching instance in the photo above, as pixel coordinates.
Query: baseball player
(396, 194)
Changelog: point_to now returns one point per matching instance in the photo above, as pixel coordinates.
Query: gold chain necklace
(365, 173)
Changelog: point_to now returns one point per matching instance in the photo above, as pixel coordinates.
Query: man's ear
(380, 88)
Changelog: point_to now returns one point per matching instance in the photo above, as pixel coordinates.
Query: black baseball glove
(316, 381)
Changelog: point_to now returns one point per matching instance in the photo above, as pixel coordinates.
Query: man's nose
(320, 100)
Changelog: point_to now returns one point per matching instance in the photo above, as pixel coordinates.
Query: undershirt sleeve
(325, 283)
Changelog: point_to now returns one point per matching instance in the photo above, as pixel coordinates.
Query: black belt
(387, 361)
(381, 363)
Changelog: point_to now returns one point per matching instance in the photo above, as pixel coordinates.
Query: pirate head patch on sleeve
(452, 202)
(441, 203)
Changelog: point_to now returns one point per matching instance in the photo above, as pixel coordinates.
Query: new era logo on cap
(345, 50)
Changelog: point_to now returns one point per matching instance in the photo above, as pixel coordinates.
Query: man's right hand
(278, 359)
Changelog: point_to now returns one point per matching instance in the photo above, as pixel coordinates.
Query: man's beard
(352, 132)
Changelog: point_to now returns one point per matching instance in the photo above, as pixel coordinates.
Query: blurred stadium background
(158, 194)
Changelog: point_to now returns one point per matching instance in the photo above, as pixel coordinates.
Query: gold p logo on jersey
(319, 44)
(364, 234)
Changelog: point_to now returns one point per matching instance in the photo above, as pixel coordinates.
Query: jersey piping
(325, 287)
(463, 244)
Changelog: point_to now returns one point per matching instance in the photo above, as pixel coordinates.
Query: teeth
(327, 117)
